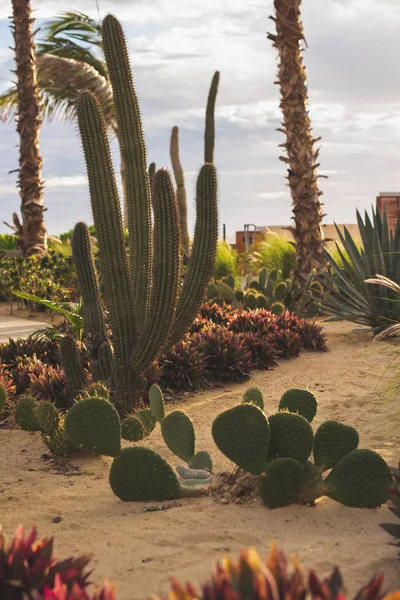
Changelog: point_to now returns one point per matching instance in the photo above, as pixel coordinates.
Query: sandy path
(142, 550)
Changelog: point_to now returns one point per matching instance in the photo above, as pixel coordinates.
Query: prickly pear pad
(242, 433)
(47, 416)
(156, 401)
(254, 396)
(280, 484)
(291, 437)
(132, 429)
(147, 419)
(359, 479)
(332, 441)
(25, 414)
(302, 402)
(141, 475)
(93, 424)
(178, 433)
(201, 460)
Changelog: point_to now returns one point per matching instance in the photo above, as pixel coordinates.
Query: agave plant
(351, 297)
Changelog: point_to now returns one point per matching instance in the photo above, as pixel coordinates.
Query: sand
(140, 551)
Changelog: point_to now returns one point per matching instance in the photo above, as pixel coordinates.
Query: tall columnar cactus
(209, 134)
(140, 287)
(180, 189)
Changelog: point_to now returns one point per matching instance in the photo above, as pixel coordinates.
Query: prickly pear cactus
(302, 402)
(312, 486)
(147, 419)
(156, 401)
(280, 484)
(291, 437)
(361, 479)
(25, 414)
(141, 475)
(47, 416)
(332, 441)
(254, 396)
(132, 429)
(278, 308)
(178, 433)
(201, 461)
(94, 425)
(242, 433)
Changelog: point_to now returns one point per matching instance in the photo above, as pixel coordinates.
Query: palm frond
(66, 48)
(76, 25)
(8, 104)
(62, 79)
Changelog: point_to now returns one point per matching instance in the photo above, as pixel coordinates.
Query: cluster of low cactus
(262, 293)
(268, 292)
(147, 308)
(137, 473)
(277, 449)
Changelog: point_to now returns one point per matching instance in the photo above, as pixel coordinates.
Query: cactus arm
(94, 325)
(72, 366)
(107, 216)
(166, 272)
(203, 251)
(152, 174)
(180, 188)
(133, 150)
(209, 134)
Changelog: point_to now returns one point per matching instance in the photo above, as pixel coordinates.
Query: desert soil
(142, 550)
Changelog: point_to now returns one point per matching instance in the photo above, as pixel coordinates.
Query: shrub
(263, 352)
(27, 566)
(183, 367)
(226, 261)
(287, 343)
(51, 277)
(7, 242)
(275, 252)
(226, 356)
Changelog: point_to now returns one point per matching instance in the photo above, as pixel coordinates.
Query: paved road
(17, 328)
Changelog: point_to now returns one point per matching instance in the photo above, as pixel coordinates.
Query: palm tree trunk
(301, 156)
(33, 235)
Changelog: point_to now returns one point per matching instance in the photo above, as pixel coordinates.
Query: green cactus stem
(209, 133)
(139, 287)
(72, 366)
(332, 441)
(178, 433)
(180, 190)
(254, 396)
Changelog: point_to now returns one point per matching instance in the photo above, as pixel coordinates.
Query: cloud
(175, 49)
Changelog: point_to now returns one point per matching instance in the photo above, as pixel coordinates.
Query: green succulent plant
(146, 305)
(254, 396)
(302, 402)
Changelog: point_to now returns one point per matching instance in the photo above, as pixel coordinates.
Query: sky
(352, 64)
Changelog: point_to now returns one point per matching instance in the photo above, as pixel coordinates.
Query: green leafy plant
(71, 311)
(274, 253)
(350, 296)
(225, 261)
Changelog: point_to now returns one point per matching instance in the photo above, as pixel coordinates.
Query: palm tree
(69, 60)
(301, 156)
(31, 233)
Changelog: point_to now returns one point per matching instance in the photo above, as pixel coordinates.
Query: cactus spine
(209, 134)
(140, 290)
(180, 189)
